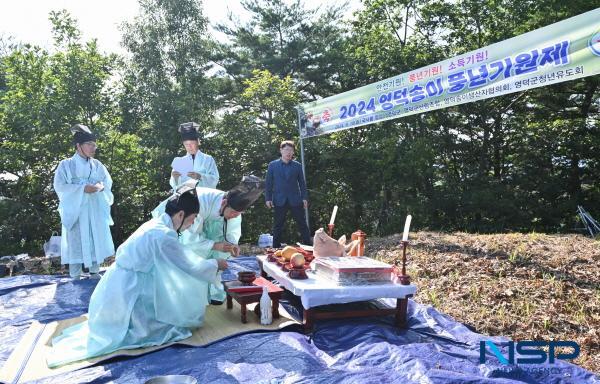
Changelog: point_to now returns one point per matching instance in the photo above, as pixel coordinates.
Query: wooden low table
(254, 297)
(318, 313)
(318, 293)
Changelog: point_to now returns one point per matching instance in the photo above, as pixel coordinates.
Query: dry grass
(523, 286)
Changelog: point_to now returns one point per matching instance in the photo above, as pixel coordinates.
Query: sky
(27, 20)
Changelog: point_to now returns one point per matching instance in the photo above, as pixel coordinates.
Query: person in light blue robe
(218, 227)
(204, 169)
(151, 295)
(83, 186)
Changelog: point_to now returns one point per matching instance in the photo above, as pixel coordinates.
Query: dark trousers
(280, 214)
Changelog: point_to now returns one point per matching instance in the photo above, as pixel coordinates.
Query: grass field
(522, 286)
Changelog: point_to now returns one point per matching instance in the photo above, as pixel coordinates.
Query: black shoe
(216, 302)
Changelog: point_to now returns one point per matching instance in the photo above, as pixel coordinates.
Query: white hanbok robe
(151, 295)
(85, 217)
(204, 165)
(208, 229)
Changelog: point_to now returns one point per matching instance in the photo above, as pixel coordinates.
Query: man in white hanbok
(83, 186)
(153, 294)
(195, 164)
(218, 227)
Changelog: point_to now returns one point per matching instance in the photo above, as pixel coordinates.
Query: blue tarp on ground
(434, 348)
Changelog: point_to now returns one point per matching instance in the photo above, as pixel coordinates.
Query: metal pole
(302, 160)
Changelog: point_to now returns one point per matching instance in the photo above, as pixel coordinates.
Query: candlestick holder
(360, 249)
(403, 277)
(330, 229)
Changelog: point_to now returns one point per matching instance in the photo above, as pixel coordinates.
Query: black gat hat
(189, 131)
(243, 195)
(82, 134)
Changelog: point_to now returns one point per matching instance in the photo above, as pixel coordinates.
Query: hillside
(523, 286)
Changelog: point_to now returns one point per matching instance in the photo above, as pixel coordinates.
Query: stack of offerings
(360, 270)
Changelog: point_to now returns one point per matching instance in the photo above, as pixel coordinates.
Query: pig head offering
(323, 245)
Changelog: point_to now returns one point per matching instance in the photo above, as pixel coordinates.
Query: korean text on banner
(567, 50)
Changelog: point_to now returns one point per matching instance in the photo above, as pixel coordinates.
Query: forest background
(515, 163)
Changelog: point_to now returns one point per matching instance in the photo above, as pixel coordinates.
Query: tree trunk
(497, 143)
(384, 212)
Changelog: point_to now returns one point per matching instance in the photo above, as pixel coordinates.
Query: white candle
(406, 227)
(333, 214)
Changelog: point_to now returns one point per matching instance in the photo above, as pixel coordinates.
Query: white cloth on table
(318, 290)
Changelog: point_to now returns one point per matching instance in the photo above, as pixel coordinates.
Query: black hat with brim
(189, 131)
(82, 134)
(243, 195)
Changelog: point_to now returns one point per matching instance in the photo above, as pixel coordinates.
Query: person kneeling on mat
(153, 294)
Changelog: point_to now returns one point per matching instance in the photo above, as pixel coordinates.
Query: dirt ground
(522, 286)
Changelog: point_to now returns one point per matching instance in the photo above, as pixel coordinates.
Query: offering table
(318, 291)
(244, 298)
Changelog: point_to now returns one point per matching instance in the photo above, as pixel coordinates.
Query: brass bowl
(298, 273)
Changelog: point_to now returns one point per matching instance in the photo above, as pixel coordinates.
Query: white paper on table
(183, 165)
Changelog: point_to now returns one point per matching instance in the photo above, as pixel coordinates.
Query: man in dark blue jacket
(286, 191)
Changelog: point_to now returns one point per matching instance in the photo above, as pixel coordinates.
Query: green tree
(44, 95)
(165, 84)
(282, 44)
(287, 39)
(477, 166)
(248, 135)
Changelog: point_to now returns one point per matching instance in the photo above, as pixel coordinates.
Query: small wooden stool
(254, 297)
